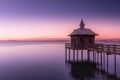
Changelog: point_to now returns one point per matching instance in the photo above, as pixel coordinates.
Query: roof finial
(82, 25)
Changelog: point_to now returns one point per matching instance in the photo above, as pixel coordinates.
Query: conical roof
(82, 30)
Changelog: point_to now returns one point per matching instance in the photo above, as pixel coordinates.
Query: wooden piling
(81, 55)
(69, 54)
(101, 59)
(93, 56)
(65, 54)
(98, 58)
(88, 55)
(107, 63)
(114, 49)
(104, 61)
(73, 54)
(77, 54)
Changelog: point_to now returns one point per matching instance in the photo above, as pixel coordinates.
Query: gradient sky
(22, 19)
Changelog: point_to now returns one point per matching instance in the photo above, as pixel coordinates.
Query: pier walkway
(108, 48)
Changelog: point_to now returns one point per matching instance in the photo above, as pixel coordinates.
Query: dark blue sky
(59, 7)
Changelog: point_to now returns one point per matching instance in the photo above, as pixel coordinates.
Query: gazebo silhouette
(82, 38)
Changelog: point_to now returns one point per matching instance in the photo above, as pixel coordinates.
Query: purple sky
(39, 8)
(57, 18)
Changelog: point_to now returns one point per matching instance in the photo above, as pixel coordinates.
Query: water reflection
(39, 61)
(83, 70)
(45, 61)
(96, 67)
(88, 70)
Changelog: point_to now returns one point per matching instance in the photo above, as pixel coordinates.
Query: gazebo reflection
(83, 70)
(88, 70)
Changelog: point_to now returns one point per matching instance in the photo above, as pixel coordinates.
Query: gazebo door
(85, 42)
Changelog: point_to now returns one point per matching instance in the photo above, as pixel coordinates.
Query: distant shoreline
(59, 40)
(35, 41)
(100, 40)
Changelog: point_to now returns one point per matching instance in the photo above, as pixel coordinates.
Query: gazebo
(82, 38)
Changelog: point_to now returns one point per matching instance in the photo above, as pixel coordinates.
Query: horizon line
(54, 40)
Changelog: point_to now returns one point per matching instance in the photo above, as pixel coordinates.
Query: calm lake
(43, 61)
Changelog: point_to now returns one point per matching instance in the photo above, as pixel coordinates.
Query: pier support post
(93, 56)
(65, 54)
(114, 48)
(65, 50)
(88, 55)
(101, 59)
(98, 58)
(81, 54)
(104, 61)
(107, 63)
(77, 54)
(73, 54)
(69, 54)
(115, 63)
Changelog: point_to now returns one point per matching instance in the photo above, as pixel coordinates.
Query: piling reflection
(96, 67)
(83, 70)
(87, 70)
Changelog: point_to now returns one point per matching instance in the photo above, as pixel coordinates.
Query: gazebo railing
(67, 45)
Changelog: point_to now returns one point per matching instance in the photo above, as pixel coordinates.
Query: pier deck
(107, 48)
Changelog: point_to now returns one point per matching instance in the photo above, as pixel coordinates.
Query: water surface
(39, 61)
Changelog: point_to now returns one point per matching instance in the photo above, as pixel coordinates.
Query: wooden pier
(83, 39)
(99, 54)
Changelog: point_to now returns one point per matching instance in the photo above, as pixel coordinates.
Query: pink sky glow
(54, 28)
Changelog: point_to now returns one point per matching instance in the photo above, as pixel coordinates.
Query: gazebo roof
(82, 30)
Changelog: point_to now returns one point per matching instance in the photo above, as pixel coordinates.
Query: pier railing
(108, 48)
(68, 45)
